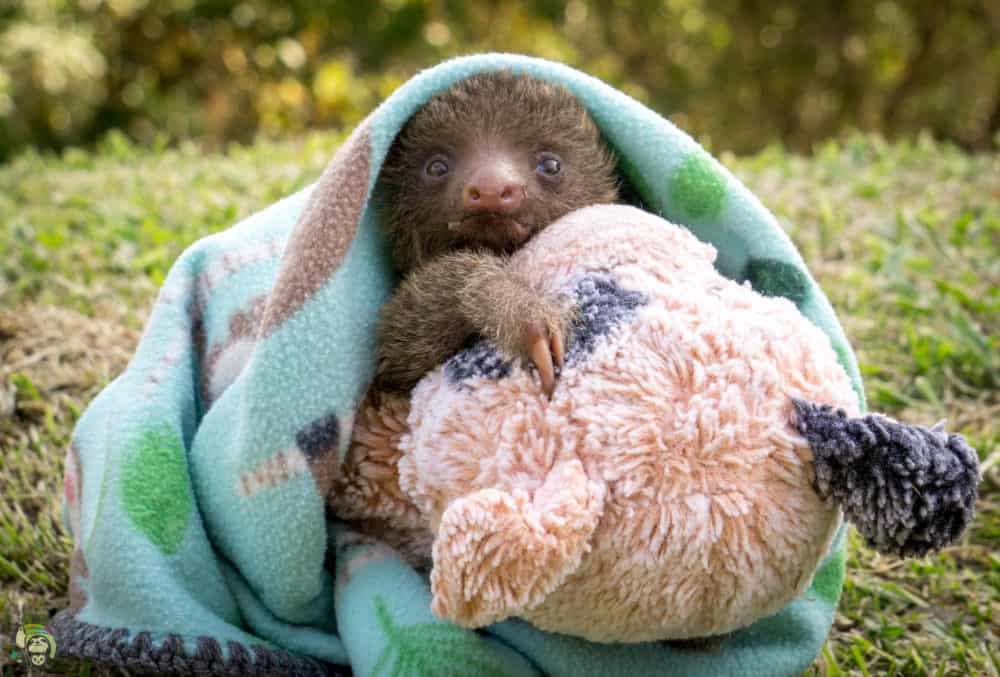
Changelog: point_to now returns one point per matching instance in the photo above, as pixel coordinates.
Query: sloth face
(38, 651)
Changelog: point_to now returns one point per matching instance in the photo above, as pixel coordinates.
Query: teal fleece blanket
(194, 482)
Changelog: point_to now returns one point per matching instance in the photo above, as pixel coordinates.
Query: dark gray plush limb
(908, 489)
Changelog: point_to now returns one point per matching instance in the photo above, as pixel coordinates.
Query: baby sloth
(471, 178)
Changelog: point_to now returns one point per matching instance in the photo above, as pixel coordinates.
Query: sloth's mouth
(499, 232)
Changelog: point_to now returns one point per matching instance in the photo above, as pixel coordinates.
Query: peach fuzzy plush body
(664, 491)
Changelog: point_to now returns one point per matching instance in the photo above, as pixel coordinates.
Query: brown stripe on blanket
(236, 260)
(186, 336)
(324, 231)
(226, 359)
(276, 470)
(77, 569)
(72, 484)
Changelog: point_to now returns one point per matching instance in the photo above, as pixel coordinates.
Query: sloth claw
(545, 349)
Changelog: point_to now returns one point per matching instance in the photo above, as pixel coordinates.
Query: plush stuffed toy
(685, 479)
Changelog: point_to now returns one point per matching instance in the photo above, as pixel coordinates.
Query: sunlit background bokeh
(737, 74)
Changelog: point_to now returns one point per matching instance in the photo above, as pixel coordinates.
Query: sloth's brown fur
(453, 288)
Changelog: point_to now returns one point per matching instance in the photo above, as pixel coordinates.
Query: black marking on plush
(908, 489)
(771, 277)
(602, 305)
(319, 437)
(481, 360)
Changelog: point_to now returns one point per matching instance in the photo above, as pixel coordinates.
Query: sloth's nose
(493, 187)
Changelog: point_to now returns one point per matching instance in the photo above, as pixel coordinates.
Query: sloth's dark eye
(549, 165)
(436, 167)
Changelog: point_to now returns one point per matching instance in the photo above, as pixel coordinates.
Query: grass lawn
(904, 238)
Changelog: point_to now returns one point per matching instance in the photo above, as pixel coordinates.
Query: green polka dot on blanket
(696, 189)
(155, 489)
(197, 488)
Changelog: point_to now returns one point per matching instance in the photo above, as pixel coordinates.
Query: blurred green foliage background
(736, 73)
